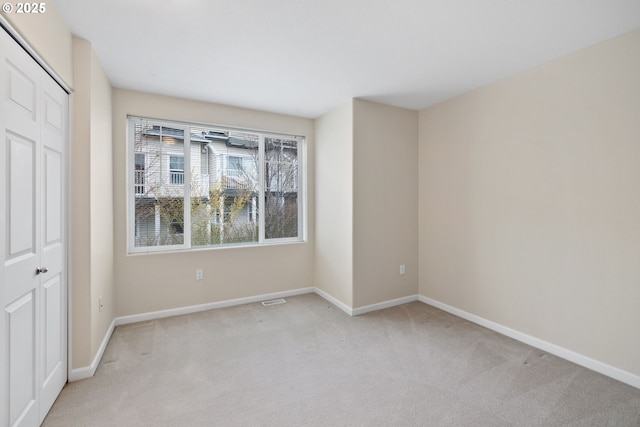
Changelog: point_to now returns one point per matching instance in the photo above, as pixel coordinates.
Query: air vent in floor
(274, 302)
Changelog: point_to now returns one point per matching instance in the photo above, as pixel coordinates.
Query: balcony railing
(139, 182)
(176, 177)
(149, 185)
(232, 179)
(232, 182)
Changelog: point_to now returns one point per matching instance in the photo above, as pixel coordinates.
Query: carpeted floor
(306, 363)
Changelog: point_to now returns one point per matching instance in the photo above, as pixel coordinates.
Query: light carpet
(306, 363)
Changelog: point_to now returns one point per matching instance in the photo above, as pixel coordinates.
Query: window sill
(232, 246)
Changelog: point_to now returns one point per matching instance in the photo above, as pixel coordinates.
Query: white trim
(579, 359)
(261, 186)
(68, 221)
(594, 365)
(125, 320)
(383, 305)
(303, 204)
(186, 185)
(15, 34)
(89, 371)
(342, 306)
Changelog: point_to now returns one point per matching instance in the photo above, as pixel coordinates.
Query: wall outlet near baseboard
(199, 274)
(402, 269)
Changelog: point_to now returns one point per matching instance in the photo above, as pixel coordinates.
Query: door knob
(42, 270)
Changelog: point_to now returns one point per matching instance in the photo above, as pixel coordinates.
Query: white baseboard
(383, 305)
(342, 306)
(597, 366)
(124, 320)
(579, 359)
(367, 308)
(88, 371)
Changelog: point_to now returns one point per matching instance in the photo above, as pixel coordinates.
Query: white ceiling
(304, 57)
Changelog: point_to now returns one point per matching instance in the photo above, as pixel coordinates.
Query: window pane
(176, 170)
(224, 196)
(159, 197)
(281, 188)
(234, 166)
(176, 163)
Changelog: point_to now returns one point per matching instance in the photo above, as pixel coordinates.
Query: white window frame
(262, 241)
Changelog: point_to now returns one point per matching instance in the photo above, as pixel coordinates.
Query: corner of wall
(385, 203)
(91, 262)
(334, 203)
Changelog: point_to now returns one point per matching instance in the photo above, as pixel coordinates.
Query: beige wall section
(101, 159)
(385, 202)
(92, 206)
(334, 203)
(49, 36)
(150, 282)
(79, 228)
(529, 202)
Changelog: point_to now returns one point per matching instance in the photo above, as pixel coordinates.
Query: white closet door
(53, 243)
(33, 297)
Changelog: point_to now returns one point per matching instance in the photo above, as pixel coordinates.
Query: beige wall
(150, 282)
(101, 159)
(92, 206)
(366, 204)
(79, 227)
(49, 36)
(385, 202)
(334, 203)
(529, 202)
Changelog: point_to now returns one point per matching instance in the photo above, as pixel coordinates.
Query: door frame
(14, 34)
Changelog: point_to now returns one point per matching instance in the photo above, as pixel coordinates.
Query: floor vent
(274, 302)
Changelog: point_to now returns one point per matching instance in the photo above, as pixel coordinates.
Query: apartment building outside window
(194, 186)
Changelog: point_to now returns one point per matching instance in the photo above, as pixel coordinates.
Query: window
(281, 188)
(234, 165)
(176, 170)
(139, 173)
(241, 187)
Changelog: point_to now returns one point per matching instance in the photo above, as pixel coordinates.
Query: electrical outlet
(402, 269)
(100, 304)
(199, 274)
